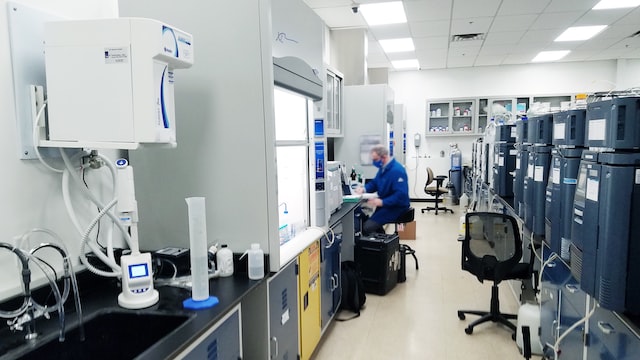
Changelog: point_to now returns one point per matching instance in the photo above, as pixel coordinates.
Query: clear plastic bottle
(224, 259)
(284, 229)
(256, 262)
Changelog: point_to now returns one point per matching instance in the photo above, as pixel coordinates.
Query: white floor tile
(418, 319)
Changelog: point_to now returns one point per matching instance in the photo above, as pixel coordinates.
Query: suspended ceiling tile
(601, 17)
(632, 18)
(428, 10)
(494, 50)
(327, 3)
(431, 42)
(520, 58)
(340, 17)
(599, 44)
(617, 31)
(471, 25)
(376, 58)
(541, 35)
(513, 23)
(402, 56)
(463, 9)
(517, 7)
(581, 55)
(392, 31)
(570, 5)
(435, 55)
(469, 52)
(560, 20)
(373, 47)
(505, 37)
(430, 28)
(488, 60)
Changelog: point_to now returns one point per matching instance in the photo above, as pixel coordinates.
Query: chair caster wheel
(461, 315)
(468, 330)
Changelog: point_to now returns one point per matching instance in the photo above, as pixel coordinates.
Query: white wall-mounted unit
(110, 82)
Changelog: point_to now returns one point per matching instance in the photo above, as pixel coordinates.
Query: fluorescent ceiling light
(579, 33)
(397, 45)
(406, 64)
(383, 13)
(550, 55)
(616, 4)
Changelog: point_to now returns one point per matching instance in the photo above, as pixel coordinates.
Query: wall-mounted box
(110, 82)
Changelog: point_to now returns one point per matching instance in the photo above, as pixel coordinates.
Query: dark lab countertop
(345, 208)
(100, 295)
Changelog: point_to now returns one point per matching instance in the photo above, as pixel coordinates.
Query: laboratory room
(320, 179)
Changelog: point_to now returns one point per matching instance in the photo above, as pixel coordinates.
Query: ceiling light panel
(580, 33)
(397, 45)
(616, 4)
(383, 13)
(406, 64)
(544, 56)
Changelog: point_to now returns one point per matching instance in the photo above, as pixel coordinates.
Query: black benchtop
(99, 295)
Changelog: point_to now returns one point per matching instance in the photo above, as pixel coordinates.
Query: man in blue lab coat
(392, 187)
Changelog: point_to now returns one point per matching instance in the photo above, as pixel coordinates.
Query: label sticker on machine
(538, 175)
(556, 175)
(530, 171)
(513, 152)
(501, 161)
(558, 131)
(284, 317)
(118, 55)
(518, 163)
(592, 189)
(514, 132)
(637, 176)
(597, 129)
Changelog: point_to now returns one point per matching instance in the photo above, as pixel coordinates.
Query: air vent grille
(467, 37)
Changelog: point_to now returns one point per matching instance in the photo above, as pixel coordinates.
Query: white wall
(413, 88)
(31, 195)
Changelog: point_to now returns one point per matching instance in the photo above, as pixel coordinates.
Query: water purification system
(538, 165)
(110, 86)
(568, 137)
(504, 160)
(455, 174)
(522, 158)
(94, 69)
(614, 124)
(606, 208)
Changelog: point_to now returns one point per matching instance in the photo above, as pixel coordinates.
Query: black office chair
(491, 250)
(436, 192)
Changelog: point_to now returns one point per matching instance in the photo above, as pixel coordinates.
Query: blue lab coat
(392, 186)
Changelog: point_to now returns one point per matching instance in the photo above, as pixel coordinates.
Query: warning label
(117, 55)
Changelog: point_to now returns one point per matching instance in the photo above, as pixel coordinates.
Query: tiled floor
(418, 319)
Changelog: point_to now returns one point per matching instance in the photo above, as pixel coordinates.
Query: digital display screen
(138, 271)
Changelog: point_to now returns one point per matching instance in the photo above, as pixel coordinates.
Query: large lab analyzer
(94, 68)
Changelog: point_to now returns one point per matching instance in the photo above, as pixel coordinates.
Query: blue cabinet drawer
(611, 338)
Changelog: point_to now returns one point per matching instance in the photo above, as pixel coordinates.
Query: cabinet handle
(275, 341)
(605, 327)
(572, 288)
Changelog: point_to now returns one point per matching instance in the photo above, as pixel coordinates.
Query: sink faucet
(27, 302)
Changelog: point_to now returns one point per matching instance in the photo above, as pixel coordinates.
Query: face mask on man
(377, 163)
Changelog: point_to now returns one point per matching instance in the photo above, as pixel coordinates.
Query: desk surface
(344, 210)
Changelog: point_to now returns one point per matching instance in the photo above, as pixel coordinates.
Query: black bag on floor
(353, 296)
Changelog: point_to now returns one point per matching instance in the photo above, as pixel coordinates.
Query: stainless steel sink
(110, 335)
